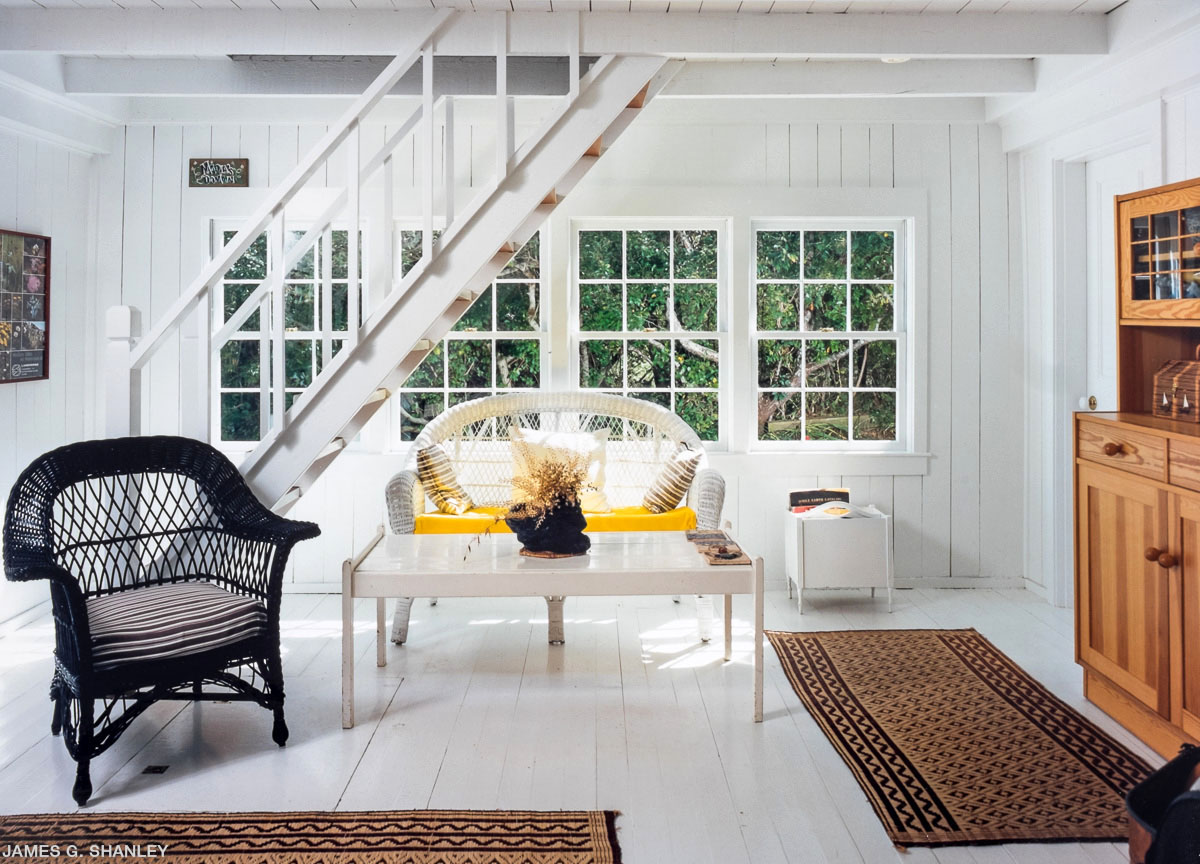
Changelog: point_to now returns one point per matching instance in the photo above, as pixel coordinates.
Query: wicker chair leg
(82, 790)
(279, 730)
(400, 620)
(57, 700)
(554, 605)
(704, 616)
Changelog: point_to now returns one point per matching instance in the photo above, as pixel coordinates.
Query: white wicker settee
(642, 436)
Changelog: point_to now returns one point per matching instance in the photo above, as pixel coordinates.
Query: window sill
(845, 463)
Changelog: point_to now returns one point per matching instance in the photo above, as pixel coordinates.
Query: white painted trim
(961, 582)
(42, 114)
(212, 32)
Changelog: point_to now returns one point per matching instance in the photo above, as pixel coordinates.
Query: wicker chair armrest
(73, 635)
(268, 527)
(707, 496)
(405, 499)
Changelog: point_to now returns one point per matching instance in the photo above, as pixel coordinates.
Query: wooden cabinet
(1137, 571)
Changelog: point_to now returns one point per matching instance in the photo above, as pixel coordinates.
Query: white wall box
(831, 552)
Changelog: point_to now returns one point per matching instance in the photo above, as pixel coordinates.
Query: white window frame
(721, 335)
(541, 335)
(902, 304)
(217, 242)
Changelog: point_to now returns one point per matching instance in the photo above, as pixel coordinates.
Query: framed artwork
(24, 306)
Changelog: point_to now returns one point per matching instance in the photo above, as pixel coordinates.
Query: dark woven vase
(560, 531)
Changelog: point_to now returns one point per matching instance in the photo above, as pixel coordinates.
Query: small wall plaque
(218, 172)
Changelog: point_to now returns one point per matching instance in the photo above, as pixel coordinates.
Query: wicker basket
(1177, 390)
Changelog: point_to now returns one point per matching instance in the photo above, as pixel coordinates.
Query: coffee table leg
(347, 646)
(758, 640)
(381, 631)
(728, 626)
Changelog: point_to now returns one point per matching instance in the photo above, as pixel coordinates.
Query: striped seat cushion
(173, 620)
(437, 476)
(672, 481)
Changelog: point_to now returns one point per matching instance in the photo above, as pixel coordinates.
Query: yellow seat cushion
(620, 519)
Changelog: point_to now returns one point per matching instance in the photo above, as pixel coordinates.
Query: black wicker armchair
(165, 578)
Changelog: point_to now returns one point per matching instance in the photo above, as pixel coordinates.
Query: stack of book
(803, 500)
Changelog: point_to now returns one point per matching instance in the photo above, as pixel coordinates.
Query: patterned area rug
(953, 743)
(376, 837)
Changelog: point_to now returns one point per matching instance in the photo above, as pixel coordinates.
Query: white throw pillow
(590, 444)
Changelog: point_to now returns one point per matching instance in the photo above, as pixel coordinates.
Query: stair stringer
(397, 336)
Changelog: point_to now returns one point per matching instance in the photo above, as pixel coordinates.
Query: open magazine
(839, 510)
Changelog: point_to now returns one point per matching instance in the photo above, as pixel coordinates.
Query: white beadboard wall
(46, 190)
(958, 522)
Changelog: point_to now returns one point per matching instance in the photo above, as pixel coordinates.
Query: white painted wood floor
(632, 714)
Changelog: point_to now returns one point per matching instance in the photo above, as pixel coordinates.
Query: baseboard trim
(961, 582)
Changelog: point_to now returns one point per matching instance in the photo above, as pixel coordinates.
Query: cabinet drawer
(1184, 464)
(1123, 448)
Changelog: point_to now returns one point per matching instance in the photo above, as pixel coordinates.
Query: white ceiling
(852, 7)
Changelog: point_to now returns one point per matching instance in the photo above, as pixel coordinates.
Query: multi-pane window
(240, 400)
(648, 319)
(830, 340)
(497, 345)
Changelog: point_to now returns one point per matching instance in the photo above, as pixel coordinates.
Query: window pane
(518, 363)
(410, 250)
(600, 255)
(600, 363)
(298, 307)
(700, 412)
(780, 417)
(526, 264)
(696, 254)
(235, 294)
(600, 307)
(824, 254)
(871, 254)
(341, 253)
(239, 364)
(779, 362)
(871, 307)
(289, 398)
(429, 373)
(659, 397)
(239, 416)
(459, 398)
(875, 416)
(1191, 220)
(303, 268)
(339, 306)
(696, 306)
(470, 362)
(648, 254)
(649, 363)
(825, 306)
(647, 307)
(518, 307)
(875, 363)
(478, 315)
(1165, 224)
(828, 416)
(299, 361)
(416, 410)
(827, 363)
(778, 254)
(1139, 228)
(778, 307)
(696, 363)
(252, 265)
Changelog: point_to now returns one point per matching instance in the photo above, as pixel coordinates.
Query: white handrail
(275, 202)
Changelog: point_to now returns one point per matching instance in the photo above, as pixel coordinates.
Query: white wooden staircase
(417, 310)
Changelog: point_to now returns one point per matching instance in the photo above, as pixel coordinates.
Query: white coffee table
(618, 564)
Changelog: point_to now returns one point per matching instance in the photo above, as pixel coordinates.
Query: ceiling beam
(854, 78)
(39, 113)
(196, 32)
(212, 76)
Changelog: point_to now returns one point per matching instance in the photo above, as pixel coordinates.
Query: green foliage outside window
(828, 346)
(239, 373)
(496, 345)
(651, 298)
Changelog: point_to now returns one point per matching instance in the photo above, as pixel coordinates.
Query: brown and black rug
(953, 743)
(352, 837)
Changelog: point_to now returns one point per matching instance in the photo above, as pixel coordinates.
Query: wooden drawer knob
(1152, 553)
(1166, 560)
(1112, 448)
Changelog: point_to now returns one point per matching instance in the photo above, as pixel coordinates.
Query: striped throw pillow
(672, 481)
(438, 478)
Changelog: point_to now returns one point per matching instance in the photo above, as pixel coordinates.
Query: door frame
(1063, 346)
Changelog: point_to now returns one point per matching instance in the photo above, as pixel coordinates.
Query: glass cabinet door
(1159, 255)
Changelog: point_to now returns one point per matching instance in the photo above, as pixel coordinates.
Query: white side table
(824, 552)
